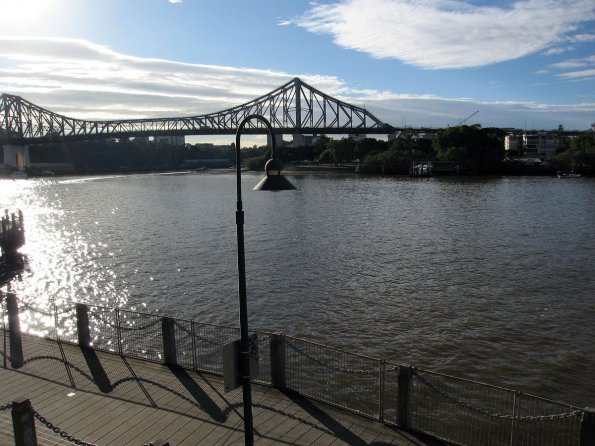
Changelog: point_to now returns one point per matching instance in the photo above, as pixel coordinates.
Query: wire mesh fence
(449, 408)
(334, 376)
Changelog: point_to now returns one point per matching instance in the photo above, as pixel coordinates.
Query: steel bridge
(295, 107)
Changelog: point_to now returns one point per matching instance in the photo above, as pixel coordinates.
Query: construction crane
(467, 118)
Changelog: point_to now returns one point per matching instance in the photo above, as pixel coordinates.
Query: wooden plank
(122, 415)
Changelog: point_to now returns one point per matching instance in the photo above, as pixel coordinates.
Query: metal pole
(244, 338)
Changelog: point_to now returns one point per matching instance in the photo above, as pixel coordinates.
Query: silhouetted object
(12, 233)
(273, 182)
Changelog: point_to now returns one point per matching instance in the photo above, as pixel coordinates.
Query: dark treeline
(127, 155)
(474, 150)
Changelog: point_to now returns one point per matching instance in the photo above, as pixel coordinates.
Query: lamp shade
(273, 180)
(274, 183)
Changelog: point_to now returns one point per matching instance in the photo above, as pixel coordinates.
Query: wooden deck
(106, 399)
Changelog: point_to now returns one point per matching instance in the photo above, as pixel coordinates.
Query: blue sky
(525, 64)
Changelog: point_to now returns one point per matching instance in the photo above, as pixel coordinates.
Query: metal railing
(453, 409)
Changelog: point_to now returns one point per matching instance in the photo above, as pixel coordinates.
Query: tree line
(472, 149)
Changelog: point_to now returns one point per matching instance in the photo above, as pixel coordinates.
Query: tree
(475, 150)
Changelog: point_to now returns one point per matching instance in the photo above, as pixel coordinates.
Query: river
(484, 278)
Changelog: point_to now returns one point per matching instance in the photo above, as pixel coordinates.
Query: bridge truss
(295, 107)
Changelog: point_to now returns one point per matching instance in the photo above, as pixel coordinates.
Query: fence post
(168, 331)
(82, 325)
(23, 423)
(277, 352)
(587, 436)
(381, 384)
(14, 328)
(404, 393)
(118, 331)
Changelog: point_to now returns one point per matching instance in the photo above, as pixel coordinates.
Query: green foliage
(367, 146)
(475, 150)
(399, 155)
(256, 163)
(341, 150)
(581, 152)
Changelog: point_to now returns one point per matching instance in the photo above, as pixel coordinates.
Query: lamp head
(273, 180)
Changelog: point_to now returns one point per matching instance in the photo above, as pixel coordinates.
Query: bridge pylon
(16, 156)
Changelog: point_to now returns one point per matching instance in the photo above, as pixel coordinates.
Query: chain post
(194, 355)
(278, 361)
(82, 325)
(56, 321)
(587, 436)
(382, 379)
(14, 327)
(168, 338)
(119, 331)
(405, 379)
(23, 423)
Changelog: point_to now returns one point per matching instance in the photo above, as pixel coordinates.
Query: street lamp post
(273, 181)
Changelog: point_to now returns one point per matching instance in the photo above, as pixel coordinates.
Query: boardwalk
(107, 399)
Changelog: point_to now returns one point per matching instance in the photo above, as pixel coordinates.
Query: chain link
(330, 366)
(141, 327)
(5, 407)
(59, 431)
(121, 327)
(196, 336)
(37, 310)
(487, 413)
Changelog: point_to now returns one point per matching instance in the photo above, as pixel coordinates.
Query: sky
(420, 63)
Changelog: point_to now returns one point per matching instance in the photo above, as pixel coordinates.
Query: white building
(541, 145)
(513, 142)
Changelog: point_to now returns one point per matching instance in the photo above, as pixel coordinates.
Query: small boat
(571, 174)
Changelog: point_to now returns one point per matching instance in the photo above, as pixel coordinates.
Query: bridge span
(295, 107)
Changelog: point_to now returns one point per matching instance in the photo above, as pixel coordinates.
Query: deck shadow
(200, 396)
(332, 424)
(98, 373)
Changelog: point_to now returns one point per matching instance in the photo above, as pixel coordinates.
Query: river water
(484, 278)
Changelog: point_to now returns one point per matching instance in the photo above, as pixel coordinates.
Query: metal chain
(330, 366)
(59, 431)
(5, 407)
(110, 324)
(196, 336)
(102, 319)
(487, 413)
(140, 327)
(36, 310)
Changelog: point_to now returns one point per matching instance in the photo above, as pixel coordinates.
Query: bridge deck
(107, 399)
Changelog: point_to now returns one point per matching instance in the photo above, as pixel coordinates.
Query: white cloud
(437, 34)
(85, 80)
(555, 51)
(587, 73)
(576, 63)
(590, 73)
(175, 1)
(584, 38)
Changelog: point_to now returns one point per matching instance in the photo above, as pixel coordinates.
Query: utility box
(232, 378)
(231, 366)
